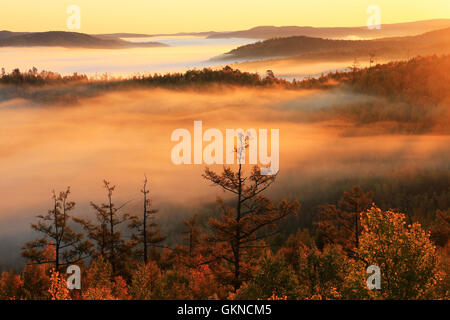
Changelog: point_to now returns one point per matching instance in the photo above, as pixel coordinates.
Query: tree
(10, 285)
(270, 74)
(144, 281)
(192, 234)
(322, 272)
(440, 232)
(69, 245)
(404, 253)
(105, 234)
(238, 232)
(58, 287)
(97, 283)
(36, 277)
(190, 254)
(354, 68)
(371, 59)
(295, 247)
(148, 234)
(203, 284)
(273, 277)
(340, 224)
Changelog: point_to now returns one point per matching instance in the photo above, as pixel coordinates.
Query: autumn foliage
(305, 267)
(236, 253)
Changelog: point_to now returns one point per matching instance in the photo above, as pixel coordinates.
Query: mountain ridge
(437, 40)
(394, 29)
(68, 40)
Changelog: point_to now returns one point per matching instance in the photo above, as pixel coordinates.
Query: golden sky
(168, 16)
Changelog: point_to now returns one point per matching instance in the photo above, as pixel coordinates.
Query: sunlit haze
(105, 16)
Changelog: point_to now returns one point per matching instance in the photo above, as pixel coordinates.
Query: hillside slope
(434, 42)
(387, 30)
(68, 39)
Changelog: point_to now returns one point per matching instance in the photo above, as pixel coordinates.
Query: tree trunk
(238, 234)
(111, 226)
(145, 227)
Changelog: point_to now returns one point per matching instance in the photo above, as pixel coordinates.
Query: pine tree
(144, 281)
(148, 234)
(105, 233)
(69, 245)
(240, 229)
(340, 224)
(192, 234)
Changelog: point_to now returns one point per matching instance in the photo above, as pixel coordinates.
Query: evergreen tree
(147, 233)
(238, 232)
(340, 224)
(105, 233)
(69, 245)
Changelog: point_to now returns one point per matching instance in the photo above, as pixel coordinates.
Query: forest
(422, 79)
(232, 258)
(250, 245)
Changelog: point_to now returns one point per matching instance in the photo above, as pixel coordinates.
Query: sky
(170, 16)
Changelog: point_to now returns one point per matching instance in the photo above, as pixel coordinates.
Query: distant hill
(387, 30)
(6, 34)
(434, 42)
(145, 35)
(67, 39)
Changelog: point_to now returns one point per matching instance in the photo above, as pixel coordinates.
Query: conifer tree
(190, 253)
(105, 233)
(147, 232)
(191, 235)
(340, 224)
(69, 246)
(241, 228)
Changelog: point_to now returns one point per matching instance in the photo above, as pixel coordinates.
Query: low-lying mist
(325, 137)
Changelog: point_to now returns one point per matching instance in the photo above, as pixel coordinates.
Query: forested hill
(434, 42)
(67, 39)
(418, 79)
(388, 30)
(421, 79)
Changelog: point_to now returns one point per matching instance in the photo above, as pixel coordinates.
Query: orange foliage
(58, 287)
(10, 285)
